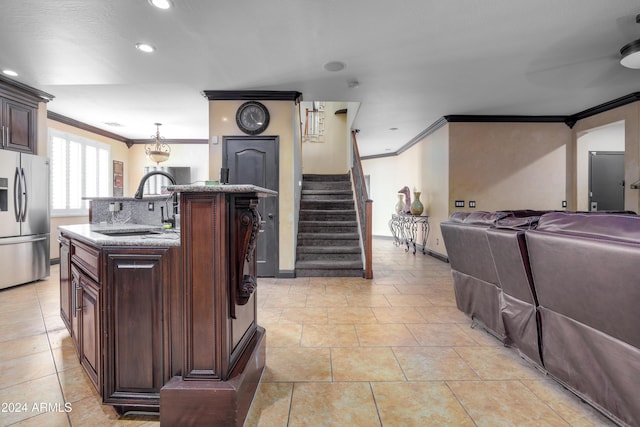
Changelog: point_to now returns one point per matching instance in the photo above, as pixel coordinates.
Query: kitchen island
(170, 325)
(120, 298)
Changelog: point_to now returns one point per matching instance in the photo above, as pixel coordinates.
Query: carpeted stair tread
(328, 236)
(328, 265)
(326, 191)
(312, 223)
(324, 178)
(329, 249)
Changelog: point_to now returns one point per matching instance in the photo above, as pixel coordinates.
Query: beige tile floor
(394, 351)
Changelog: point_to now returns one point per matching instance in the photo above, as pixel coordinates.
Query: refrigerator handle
(23, 218)
(17, 196)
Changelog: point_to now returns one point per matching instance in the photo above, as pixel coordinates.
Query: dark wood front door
(254, 160)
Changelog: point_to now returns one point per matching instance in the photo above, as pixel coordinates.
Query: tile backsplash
(121, 210)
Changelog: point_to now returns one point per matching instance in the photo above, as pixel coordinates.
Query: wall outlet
(564, 203)
(472, 203)
(151, 206)
(115, 206)
(437, 241)
(459, 203)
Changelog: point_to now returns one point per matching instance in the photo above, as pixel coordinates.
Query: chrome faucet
(140, 190)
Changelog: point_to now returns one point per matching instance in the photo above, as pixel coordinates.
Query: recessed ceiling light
(10, 73)
(393, 128)
(145, 47)
(114, 124)
(161, 4)
(334, 66)
(353, 84)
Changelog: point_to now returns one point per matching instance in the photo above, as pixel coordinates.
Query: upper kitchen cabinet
(19, 115)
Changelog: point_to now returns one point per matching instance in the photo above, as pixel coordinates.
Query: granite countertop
(93, 234)
(122, 198)
(241, 188)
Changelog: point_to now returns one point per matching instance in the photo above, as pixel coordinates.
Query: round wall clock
(252, 118)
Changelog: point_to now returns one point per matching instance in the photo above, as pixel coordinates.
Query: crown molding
(250, 95)
(23, 88)
(618, 102)
(170, 141)
(81, 125)
(569, 120)
(428, 131)
(470, 118)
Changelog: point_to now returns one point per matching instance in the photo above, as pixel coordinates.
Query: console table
(404, 228)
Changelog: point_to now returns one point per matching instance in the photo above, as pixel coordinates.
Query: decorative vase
(416, 206)
(400, 203)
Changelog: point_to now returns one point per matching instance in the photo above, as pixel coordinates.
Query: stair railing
(365, 208)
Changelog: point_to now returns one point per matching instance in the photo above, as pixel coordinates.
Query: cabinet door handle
(74, 295)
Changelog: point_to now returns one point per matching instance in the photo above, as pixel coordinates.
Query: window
(79, 167)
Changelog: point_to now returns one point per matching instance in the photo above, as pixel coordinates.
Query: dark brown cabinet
(19, 126)
(19, 115)
(65, 281)
(85, 322)
(136, 341)
(88, 313)
(122, 306)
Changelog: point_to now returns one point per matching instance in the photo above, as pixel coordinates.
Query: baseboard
(437, 255)
(286, 274)
(383, 237)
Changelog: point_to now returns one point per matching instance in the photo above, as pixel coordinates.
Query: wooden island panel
(224, 348)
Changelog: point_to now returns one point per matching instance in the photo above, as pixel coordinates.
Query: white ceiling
(415, 60)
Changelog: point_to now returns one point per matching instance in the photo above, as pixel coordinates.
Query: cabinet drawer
(87, 258)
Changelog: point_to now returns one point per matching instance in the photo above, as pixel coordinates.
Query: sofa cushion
(618, 227)
(484, 218)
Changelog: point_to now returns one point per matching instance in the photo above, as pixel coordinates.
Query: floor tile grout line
(55, 364)
(375, 402)
(460, 403)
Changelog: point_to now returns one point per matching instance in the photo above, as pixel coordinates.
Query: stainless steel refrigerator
(24, 218)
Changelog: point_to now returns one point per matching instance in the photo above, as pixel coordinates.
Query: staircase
(328, 239)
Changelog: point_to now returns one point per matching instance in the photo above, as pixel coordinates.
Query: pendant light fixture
(157, 151)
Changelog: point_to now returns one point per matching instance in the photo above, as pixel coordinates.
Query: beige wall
(508, 165)
(499, 165)
(195, 156)
(425, 167)
(284, 118)
(630, 114)
(332, 155)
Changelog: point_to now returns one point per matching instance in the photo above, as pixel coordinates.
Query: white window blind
(80, 167)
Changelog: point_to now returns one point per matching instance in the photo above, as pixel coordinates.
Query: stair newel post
(368, 240)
